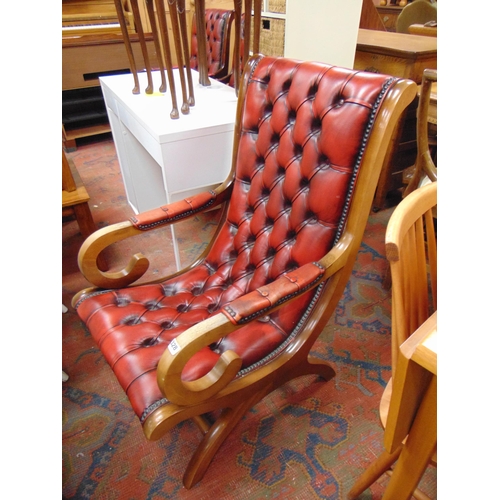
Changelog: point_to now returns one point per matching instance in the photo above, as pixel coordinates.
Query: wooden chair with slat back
(411, 248)
(218, 336)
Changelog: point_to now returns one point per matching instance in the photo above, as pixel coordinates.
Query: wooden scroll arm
(138, 224)
(253, 305)
(96, 243)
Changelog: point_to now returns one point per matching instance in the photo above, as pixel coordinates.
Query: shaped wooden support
(142, 42)
(160, 7)
(157, 42)
(128, 45)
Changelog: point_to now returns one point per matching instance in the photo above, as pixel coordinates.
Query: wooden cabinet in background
(389, 15)
(84, 59)
(397, 54)
(92, 46)
(405, 56)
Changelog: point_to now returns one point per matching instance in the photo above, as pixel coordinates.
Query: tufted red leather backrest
(303, 130)
(302, 133)
(299, 141)
(218, 24)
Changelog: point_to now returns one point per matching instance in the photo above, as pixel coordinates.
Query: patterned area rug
(309, 439)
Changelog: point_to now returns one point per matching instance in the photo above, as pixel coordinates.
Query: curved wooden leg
(214, 438)
(142, 42)
(156, 39)
(382, 464)
(315, 366)
(202, 43)
(230, 417)
(181, 6)
(128, 45)
(160, 8)
(172, 7)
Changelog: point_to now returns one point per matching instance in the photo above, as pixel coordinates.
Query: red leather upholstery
(218, 32)
(303, 130)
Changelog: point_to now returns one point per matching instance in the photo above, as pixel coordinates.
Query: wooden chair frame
(411, 249)
(75, 202)
(223, 388)
(177, 11)
(225, 53)
(424, 164)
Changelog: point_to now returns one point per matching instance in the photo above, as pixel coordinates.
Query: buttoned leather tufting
(218, 24)
(301, 133)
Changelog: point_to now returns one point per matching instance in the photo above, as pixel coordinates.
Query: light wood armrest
(269, 298)
(146, 221)
(180, 351)
(174, 212)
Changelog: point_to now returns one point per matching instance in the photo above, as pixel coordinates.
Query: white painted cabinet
(164, 160)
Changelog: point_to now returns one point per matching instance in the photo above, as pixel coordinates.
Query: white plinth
(164, 160)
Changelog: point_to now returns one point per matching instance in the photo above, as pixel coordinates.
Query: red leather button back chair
(218, 24)
(239, 322)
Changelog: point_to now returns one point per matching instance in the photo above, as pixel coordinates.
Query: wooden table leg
(157, 42)
(160, 8)
(202, 42)
(128, 45)
(142, 42)
(174, 18)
